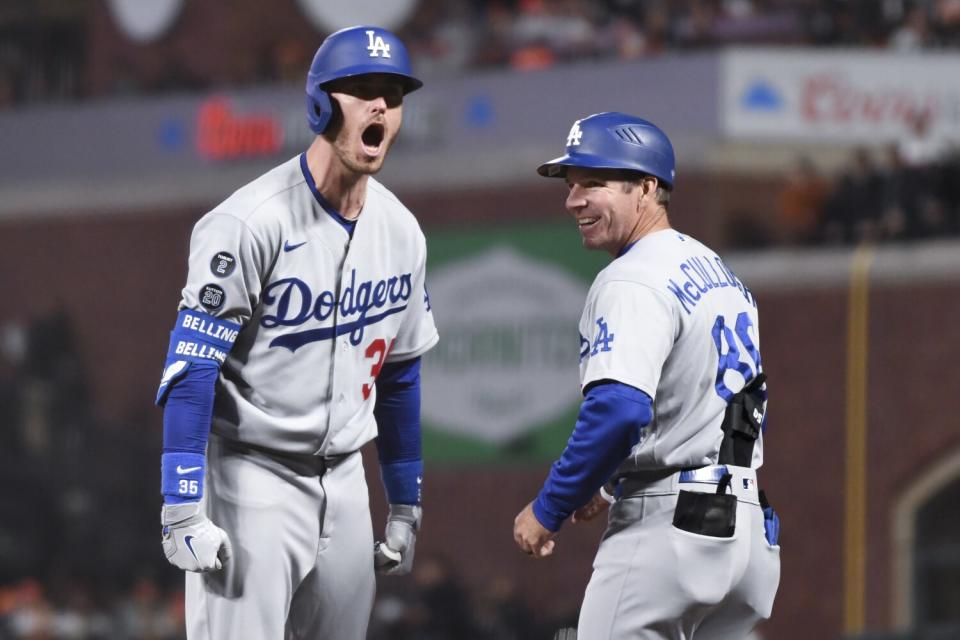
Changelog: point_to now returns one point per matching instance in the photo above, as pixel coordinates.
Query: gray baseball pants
(302, 539)
(654, 581)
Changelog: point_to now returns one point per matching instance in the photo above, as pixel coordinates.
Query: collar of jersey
(626, 248)
(348, 225)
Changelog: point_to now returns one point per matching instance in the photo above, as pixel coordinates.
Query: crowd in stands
(430, 604)
(74, 486)
(44, 62)
(907, 190)
(529, 34)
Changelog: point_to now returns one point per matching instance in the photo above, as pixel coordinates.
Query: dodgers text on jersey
(290, 302)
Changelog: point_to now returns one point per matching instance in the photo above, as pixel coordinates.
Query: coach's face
(606, 206)
(370, 112)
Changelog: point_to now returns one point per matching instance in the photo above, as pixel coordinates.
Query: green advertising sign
(502, 384)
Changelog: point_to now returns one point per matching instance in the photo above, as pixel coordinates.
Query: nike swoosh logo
(287, 247)
(182, 471)
(188, 540)
(173, 370)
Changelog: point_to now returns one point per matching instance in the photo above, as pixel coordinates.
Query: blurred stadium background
(816, 147)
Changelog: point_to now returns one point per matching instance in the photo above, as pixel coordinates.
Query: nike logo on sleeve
(182, 470)
(287, 247)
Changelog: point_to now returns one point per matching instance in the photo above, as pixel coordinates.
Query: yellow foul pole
(855, 512)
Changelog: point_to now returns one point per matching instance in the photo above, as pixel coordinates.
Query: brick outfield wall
(119, 278)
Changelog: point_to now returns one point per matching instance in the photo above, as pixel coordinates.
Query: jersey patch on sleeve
(212, 296)
(222, 264)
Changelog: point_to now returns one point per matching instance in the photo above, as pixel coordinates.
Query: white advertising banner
(837, 95)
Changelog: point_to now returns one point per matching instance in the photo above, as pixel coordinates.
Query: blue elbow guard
(197, 338)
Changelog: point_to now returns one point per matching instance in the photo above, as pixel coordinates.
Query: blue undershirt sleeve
(607, 428)
(397, 412)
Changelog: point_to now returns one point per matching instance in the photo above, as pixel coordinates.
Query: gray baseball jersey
(669, 318)
(321, 312)
(271, 257)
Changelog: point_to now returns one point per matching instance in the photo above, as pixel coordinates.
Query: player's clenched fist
(531, 536)
(394, 556)
(191, 541)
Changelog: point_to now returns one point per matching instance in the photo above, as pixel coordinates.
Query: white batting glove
(191, 541)
(394, 556)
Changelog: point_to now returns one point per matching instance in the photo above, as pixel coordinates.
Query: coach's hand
(191, 541)
(394, 556)
(532, 537)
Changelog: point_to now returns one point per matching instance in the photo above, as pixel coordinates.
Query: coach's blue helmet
(349, 52)
(613, 140)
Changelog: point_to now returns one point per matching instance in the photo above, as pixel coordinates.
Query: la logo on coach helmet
(573, 138)
(376, 45)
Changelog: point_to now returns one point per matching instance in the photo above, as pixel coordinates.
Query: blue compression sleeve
(608, 427)
(186, 414)
(186, 426)
(199, 344)
(397, 412)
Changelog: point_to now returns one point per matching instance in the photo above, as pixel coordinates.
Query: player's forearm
(397, 412)
(199, 344)
(608, 426)
(187, 411)
(186, 426)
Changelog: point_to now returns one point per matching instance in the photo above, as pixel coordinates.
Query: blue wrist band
(181, 476)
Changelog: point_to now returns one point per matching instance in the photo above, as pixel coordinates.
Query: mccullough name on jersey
(700, 276)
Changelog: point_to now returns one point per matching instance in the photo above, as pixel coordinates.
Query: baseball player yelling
(673, 410)
(298, 339)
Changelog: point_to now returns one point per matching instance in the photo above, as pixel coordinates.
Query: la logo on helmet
(376, 46)
(573, 138)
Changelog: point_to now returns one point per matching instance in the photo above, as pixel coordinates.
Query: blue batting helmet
(613, 140)
(352, 52)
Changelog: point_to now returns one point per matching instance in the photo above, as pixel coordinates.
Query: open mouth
(372, 138)
(586, 223)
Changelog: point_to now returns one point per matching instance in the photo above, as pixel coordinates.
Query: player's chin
(373, 166)
(591, 241)
(366, 164)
